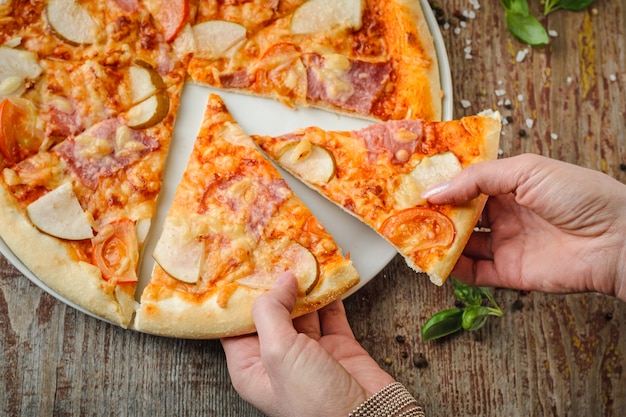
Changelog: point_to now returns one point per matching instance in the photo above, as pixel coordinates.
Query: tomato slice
(420, 228)
(19, 136)
(116, 251)
(172, 16)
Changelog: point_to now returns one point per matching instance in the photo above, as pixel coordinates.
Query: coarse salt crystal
(475, 4)
(463, 24)
(553, 33)
(521, 55)
(529, 123)
(457, 31)
(446, 26)
(612, 77)
(507, 102)
(500, 92)
(520, 97)
(500, 152)
(569, 80)
(465, 103)
(554, 136)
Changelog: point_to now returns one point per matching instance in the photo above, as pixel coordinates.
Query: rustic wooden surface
(548, 356)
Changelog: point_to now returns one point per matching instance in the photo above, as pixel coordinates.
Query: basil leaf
(475, 317)
(466, 293)
(573, 5)
(442, 324)
(526, 28)
(517, 6)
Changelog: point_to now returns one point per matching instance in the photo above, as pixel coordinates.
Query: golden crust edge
(187, 320)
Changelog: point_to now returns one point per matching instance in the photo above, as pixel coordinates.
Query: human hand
(311, 366)
(555, 227)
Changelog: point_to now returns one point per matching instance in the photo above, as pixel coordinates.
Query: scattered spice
(608, 316)
(388, 361)
(419, 360)
(518, 305)
(400, 339)
(521, 133)
(622, 166)
(404, 355)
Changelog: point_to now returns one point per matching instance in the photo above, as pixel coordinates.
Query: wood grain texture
(550, 355)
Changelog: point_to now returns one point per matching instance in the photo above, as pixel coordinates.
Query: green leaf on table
(573, 5)
(516, 6)
(442, 324)
(526, 28)
(466, 293)
(474, 317)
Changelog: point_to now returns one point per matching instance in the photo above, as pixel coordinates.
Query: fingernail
(435, 189)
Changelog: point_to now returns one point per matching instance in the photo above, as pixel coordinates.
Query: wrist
(392, 400)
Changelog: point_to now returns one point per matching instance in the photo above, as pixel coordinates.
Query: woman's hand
(311, 366)
(555, 227)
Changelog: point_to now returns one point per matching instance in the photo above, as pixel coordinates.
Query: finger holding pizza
(553, 226)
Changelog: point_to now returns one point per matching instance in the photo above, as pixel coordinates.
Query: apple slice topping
(431, 170)
(309, 161)
(144, 81)
(16, 66)
(149, 112)
(321, 15)
(295, 258)
(71, 22)
(218, 38)
(59, 214)
(179, 252)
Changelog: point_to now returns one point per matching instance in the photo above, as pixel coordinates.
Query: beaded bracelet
(391, 401)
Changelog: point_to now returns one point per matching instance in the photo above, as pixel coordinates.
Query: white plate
(369, 252)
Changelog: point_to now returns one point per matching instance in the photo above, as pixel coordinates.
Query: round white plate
(369, 252)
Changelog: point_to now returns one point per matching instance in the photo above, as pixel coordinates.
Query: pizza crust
(48, 259)
(174, 315)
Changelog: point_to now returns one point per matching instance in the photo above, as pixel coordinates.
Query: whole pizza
(89, 93)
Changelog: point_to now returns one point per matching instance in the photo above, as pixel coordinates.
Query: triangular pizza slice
(378, 173)
(234, 226)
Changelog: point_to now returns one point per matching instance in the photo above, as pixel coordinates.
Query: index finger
(497, 177)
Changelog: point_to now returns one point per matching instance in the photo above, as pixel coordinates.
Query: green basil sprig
(522, 24)
(479, 305)
(525, 27)
(573, 5)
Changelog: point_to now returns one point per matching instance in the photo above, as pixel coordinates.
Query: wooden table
(549, 355)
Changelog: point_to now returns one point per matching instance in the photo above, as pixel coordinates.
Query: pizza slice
(369, 58)
(378, 173)
(234, 226)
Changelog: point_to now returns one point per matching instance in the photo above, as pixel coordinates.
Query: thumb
(272, 311)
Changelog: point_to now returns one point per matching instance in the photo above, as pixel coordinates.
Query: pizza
(89, 94)
(367, 58)
(88, 98)
(234, 226)
(378, 174)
